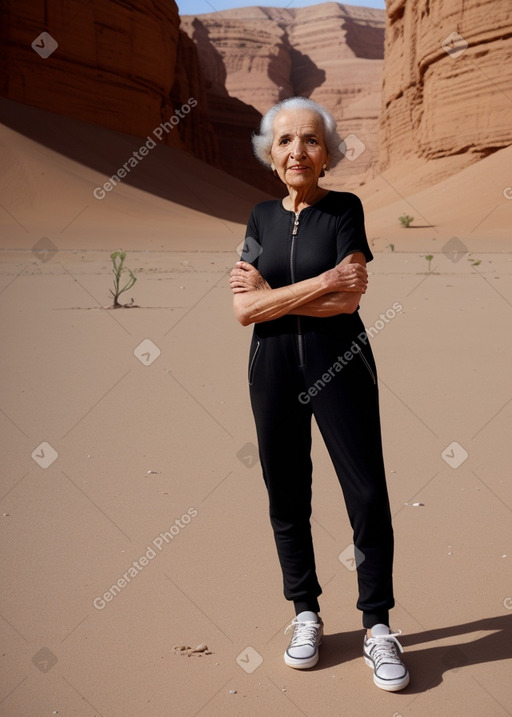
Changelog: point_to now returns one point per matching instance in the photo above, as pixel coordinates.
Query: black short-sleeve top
(326, 232)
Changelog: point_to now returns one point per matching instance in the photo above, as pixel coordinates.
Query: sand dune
(472, 204)
(169, 200)
(172, 201)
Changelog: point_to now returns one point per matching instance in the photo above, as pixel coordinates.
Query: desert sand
(133, 512)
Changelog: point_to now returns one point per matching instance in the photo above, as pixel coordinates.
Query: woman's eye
(312, 140)
(284, 141)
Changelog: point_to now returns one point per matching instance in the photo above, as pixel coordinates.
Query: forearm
(268, 304)
(254, 301)
(342, 302)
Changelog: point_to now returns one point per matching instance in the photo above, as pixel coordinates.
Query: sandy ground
(129, 447)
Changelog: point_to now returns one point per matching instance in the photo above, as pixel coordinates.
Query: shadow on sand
(427, 665)
(165, 172)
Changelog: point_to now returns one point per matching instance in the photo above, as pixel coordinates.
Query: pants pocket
(252, 362)
(369, 368)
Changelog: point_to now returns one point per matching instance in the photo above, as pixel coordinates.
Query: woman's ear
(325, 166)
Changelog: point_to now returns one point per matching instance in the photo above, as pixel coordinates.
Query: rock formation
(330, 52)
(447, 79)
(122, 64)
(130, 67)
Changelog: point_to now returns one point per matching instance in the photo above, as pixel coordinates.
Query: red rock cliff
(121, 64)
(447, 79)
(331, 53)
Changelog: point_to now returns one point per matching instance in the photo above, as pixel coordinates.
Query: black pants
(319, 372)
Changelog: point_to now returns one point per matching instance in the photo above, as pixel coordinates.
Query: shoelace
(383, 648)
(305, 633)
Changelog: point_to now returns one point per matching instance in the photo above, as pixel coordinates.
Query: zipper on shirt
(300, 337)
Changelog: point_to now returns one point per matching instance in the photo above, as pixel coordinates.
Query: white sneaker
(380, 653)
(302, 652)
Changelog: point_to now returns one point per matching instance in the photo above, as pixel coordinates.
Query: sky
(198, 7)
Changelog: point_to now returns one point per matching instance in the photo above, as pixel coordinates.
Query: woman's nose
(297, 148)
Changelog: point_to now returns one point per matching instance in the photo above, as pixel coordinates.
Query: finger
(236, 281)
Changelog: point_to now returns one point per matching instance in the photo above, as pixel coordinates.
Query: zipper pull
(295, 223)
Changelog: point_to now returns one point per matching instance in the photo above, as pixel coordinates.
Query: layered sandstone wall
(128, 66)
(447, 79)
(331, 53)
(121, 64)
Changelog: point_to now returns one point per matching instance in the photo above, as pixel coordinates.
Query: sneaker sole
(301, 664)
(387, 685)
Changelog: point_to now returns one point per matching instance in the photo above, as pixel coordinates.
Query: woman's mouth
(298, 168)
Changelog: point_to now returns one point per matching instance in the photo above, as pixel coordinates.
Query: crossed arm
(336, 291)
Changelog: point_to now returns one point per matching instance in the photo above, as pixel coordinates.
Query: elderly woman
(300, 280)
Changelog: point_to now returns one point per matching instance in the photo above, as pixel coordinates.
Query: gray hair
(262, 141)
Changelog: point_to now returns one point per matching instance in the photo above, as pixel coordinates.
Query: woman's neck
(302, 198)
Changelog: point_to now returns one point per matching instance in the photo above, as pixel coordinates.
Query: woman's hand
(347, 277)
(255, 301)
(244, 277)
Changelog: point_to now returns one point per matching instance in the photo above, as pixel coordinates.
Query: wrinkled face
(298, 149)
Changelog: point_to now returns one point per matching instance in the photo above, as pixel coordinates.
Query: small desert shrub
(118, 270)
(405, 220)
